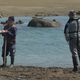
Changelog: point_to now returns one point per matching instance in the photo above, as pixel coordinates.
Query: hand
(66, 37)
(3, 31)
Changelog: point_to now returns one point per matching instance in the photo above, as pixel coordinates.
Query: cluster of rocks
(39, 22)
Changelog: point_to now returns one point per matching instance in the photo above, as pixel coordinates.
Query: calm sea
(44, 47)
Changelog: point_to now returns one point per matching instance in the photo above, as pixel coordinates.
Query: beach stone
(40, 22)
(19, 22)
(0, 16)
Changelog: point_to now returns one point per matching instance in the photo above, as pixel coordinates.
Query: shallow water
(45, 47)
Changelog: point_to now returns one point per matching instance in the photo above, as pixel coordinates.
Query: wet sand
(38, 73)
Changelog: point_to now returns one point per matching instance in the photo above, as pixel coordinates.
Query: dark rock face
(39, 22)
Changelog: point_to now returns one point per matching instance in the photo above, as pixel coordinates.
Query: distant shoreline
(38, 7)
(6, 11)
(29, 11)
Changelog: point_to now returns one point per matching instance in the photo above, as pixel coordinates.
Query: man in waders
(72, 35)
(9, 41)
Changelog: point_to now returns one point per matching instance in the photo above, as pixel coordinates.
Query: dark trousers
(10, 50)
(74, 48)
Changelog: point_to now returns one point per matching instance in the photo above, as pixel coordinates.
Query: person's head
(10, 20)
(72, 14)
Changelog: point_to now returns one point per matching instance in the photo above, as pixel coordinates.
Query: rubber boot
(4, 62)
(75, 63)
(79, 56)
(12, 60)
(78, 48)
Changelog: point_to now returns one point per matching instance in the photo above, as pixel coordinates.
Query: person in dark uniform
(72, 35)
(9, 41)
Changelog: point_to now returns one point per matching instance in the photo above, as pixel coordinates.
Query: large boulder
(40, 22)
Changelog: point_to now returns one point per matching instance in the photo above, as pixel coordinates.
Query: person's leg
(78, 47)
(75, 63)
(4, 55)
(12, 54)
(73, 49)
(4, 61)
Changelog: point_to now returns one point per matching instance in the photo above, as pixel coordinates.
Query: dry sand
(37, 7)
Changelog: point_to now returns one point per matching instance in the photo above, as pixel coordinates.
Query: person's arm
(12, 32)
(66, 34)
(3, 31)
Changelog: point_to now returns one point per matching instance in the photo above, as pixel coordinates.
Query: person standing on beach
(72, 36)
(9, 41)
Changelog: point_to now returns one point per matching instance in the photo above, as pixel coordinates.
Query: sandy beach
(37, 7)
(38, 73)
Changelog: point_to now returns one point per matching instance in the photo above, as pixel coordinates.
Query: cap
(11, 18)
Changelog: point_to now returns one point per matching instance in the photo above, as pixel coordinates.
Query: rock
(19, 22)
(0, 16)
(40, 22)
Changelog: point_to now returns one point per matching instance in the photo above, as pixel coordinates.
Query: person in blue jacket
(9, 41)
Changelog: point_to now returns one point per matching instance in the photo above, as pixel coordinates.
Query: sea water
(43, 47)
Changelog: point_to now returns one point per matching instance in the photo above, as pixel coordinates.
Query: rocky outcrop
(40, 22)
